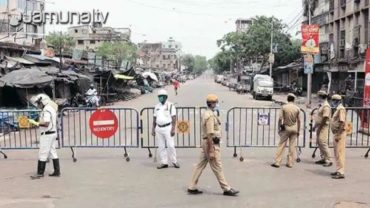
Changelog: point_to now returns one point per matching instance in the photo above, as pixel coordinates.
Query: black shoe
(195, 191)
(320, 162)
(40, 170)
(275, 166)
(176, 165)
(328, 164)
(338, 176)
(231, 192)
(56, 168)
(334, 173)
(162, 166)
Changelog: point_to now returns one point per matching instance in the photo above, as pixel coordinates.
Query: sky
(197, 24)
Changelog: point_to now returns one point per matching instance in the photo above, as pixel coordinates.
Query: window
(92, 41)
(76, 31)
(80, 42)
(164, 65)
(164, 57)
(170, 46)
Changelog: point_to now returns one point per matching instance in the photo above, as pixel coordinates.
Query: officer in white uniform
(164, 123)
(48, 139)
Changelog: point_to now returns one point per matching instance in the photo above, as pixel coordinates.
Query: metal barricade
(188, 133)
(360, 136)
(79, 124)
(16, 132)
(258, 127)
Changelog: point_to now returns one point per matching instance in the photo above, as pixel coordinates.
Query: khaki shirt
(324, 112)
(211, 124)
(289, 114)
(338, 118)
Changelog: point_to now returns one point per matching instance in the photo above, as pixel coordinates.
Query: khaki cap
(336, 97)
(212, 98)
(322, 92)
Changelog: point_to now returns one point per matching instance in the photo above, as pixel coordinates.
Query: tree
(118, 51)
(221, 62)
(60, 41)
(256, 42)
(188, 61)
(200, 64)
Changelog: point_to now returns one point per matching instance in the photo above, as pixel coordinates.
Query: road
(102, 178)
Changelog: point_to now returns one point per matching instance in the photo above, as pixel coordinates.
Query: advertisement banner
(310, 39)
(308, 64)
(366, 117)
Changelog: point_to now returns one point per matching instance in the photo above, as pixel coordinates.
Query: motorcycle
(92, 101)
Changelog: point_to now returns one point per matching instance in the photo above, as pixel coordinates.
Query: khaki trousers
(216, 167)
(322, 134)
(340, 151)
(285, 136)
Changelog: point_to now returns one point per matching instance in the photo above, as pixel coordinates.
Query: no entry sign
(103, 123)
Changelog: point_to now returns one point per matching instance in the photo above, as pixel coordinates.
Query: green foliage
(118, 51)
(221, 62)
(255, 44)
(196, 64)
(200, 64)
(60, 41)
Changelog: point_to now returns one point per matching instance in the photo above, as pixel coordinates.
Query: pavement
(102, 178)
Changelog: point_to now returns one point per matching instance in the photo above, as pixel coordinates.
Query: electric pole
(309, 74)
(271, 53)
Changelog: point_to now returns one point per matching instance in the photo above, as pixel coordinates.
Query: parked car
(245, 84)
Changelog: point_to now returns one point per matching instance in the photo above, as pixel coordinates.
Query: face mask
(335, 104)
(162, 99)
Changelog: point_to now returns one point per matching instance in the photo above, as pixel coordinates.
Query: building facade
(90, 37)
(22, 34)
(165, 55)
(242, 25)
(344, 38)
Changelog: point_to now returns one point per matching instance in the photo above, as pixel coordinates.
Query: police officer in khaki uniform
(211, 134)
(322, 123)
(289, 124)
(338, 128)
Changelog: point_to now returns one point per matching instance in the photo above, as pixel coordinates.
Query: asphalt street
(102, 178)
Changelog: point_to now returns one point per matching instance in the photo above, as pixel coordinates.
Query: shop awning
(124, 77)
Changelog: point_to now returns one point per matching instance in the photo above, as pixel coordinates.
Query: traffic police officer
(48, 139)
(338, 128)
(164, 123)
(211, 134)
(322, 123)
(289, 127)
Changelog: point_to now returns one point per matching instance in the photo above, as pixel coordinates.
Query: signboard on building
(308, 64)
(310, 39)
(77, 54)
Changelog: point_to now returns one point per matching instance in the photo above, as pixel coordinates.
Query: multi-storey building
(22, 33)
(165, 56)
(90, 37)
(242, 25)
(344, 38)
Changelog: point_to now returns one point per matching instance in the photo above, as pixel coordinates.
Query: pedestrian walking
(338, 128)
(176, 85)
(211, 134)
(164, 123)
(289, 128)
(48, 138)
(322, 123)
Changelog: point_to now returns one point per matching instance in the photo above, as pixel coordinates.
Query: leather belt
(48, 132)
(165, 125)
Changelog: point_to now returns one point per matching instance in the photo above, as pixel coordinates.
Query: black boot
(56, 168)
(40, 170)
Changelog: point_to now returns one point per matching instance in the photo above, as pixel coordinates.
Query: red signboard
(365, 117)
(103, 123)
(310, 39)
